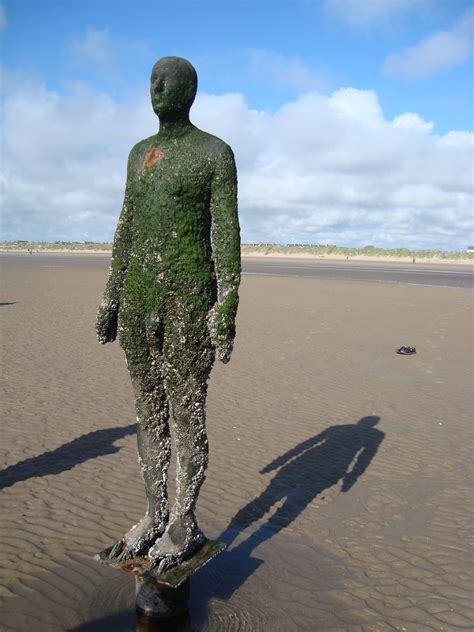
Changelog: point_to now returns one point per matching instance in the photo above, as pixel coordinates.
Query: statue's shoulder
(212, 146)
(139, 150)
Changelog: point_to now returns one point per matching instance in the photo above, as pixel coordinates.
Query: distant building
(470, 249)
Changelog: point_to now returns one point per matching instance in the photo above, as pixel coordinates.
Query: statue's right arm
(107, 314)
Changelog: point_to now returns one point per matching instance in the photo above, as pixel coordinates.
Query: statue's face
(172, 89)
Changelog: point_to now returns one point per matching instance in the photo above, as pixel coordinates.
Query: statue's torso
(170, 192)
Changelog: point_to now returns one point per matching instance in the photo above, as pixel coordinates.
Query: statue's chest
(171, 174)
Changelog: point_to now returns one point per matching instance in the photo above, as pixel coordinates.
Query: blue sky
(351, 120)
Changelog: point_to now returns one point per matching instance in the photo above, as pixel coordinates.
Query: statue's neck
(174, 128)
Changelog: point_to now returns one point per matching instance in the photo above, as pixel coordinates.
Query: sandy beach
(340, 472)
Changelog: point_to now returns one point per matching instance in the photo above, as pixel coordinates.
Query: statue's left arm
(225, 241)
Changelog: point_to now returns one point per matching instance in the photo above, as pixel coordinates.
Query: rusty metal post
(162, 598)
(158, 600)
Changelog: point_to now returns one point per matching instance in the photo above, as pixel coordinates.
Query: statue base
(164, 595)
(159, 601)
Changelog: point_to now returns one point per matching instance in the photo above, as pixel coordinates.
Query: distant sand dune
(400, 255)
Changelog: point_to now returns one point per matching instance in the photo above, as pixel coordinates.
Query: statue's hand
(348, 481)
(224, 351)
(221, 328)
(106, 321)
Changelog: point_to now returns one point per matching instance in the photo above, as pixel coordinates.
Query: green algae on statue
(172, 297)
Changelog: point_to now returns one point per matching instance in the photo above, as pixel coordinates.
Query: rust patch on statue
(153, 157)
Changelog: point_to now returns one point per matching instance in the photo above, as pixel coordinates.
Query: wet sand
(333, 523)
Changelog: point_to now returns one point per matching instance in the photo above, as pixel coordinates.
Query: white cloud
(359, 106)
(439, 50)
(413, 123)
(328, 169)
(366, 13)
(65, 156)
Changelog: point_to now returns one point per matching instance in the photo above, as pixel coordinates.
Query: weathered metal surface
(172, 298)
(153, 157)
(173, 577)
(159, 600)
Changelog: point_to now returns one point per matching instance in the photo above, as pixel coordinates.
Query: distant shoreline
(382, 258)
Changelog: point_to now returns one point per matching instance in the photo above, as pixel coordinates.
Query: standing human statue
(172, 297)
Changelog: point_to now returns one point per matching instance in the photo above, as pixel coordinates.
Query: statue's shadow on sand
(66, 456)
(339, 454)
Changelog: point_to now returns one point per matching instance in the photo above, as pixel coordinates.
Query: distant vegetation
(55, 245)
(369, 251)
(318, 250)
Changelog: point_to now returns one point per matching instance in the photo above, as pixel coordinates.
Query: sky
(351, 120)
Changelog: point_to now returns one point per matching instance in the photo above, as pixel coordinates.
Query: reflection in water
(177, 624)
(129, 621)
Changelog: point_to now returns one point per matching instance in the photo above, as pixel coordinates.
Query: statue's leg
(186, 386)
(145, 363)
(189, 416)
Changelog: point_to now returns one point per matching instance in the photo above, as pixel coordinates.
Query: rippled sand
(333, 523)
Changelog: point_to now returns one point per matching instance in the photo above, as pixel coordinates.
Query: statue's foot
(137, 541)
(181, 539)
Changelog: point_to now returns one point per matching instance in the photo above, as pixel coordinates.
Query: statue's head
(173, 87)
(370, 420)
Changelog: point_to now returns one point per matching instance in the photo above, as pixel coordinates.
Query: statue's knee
(193, 461)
